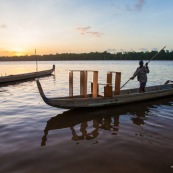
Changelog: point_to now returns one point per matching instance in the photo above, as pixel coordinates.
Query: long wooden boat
(125, 97)
(25, 76)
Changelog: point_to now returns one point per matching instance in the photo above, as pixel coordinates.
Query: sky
(83, 26)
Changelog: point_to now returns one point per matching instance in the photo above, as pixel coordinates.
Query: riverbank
(163, 55)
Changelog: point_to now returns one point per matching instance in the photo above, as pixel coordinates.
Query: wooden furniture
(83, 83)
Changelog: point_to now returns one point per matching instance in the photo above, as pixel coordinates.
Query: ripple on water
(38, 138)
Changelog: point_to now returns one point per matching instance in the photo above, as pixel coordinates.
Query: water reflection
(92, 121)
(140, 116)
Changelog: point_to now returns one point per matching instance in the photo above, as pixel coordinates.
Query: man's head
(141, 62)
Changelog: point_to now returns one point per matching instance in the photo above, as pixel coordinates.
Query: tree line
(163, 55)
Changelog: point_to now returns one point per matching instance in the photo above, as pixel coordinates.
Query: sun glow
(22, 42)
(18, 52)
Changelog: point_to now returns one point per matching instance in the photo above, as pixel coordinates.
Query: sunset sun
(18, 52)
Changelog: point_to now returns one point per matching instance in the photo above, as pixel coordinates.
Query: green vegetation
(163, 55)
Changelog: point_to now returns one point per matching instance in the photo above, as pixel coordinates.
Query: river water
(37, 138)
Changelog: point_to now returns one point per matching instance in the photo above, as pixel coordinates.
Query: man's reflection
(110, 124)
(139, 117)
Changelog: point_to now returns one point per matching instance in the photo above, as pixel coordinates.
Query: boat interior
(148, 89)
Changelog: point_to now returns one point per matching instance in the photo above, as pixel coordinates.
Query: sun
(18, 52)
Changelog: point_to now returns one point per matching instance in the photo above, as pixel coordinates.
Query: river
(37, 138)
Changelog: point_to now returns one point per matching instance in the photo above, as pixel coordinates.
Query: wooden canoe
(125, 97)
(26, 76)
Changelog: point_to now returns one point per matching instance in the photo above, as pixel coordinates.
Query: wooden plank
(83, 83)
(112, 72)
(92, 88)
(108, 91)
(104, 84)
(70, 84)
(82, 70)
(95, 84)
(117, 83)
(109, 78)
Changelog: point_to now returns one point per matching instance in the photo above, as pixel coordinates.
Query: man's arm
(135, 74)
(146, 67)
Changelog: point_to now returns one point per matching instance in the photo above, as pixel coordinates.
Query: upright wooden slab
(95, 84)
(71, 84)
(83, 83)
(109, 78)
(108, 91)
(117, 83)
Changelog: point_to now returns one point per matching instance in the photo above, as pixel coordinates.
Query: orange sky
(79, 26)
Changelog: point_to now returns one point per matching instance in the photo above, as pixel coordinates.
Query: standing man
(141, 73)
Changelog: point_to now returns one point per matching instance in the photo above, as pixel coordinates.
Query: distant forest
(163, 55)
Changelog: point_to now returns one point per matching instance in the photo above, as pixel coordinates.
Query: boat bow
(41, 92)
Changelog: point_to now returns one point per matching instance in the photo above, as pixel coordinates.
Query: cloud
(3, 26)
(10, 52)
(83, 30)
(137, 7)
(86, 30)
(96, 34)
(111, 50)
(154, 49)
(143, 49)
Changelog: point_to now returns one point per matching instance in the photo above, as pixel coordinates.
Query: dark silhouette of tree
(163, 55)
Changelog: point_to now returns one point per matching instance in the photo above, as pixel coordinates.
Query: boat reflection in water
(97, 119)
